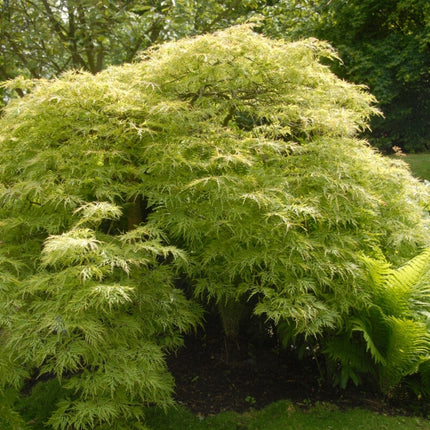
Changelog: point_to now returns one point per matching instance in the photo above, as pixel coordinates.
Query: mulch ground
(206, 384)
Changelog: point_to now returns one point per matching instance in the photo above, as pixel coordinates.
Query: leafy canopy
(227, 163)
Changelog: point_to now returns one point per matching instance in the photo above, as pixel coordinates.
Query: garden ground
(207, 385)
(246, 395)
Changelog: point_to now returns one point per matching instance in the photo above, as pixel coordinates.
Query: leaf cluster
(99, 312)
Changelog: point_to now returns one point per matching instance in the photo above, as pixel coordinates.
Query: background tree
(289, 19)
(44, 38)
(385, 45)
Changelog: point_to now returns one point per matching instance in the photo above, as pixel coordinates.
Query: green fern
(394, 326)
(354, 360)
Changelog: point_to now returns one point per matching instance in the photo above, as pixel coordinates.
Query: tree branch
(57, 27)
(24, 58)
(219, 17)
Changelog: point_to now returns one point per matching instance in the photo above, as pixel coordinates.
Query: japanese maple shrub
(228, 161)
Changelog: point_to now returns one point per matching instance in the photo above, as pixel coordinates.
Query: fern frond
(375, 333)
(408, 348)
(407, 276)
(396, 290)
(352, 357)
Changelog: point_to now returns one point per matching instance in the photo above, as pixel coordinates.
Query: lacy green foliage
(264, 182)
(393, 329)
(9, 418)
(227, 159)
(98, 312)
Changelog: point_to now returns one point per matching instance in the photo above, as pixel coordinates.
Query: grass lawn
(280, 415)
(284, 415)
(420, 164)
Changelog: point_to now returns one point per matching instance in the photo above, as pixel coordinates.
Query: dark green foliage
(385, 45)
(9, 418)
(229, 161)
(40, 401)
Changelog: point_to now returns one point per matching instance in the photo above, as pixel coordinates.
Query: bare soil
(206, 383)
